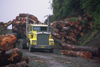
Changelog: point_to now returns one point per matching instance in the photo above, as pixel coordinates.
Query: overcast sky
(9, 9)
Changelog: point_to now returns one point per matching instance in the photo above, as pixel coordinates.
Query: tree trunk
(93, 50)
(10, 57)
(84, 54)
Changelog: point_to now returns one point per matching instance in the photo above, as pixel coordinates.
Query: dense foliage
(64, 8)
(72, 8)
(92, 7)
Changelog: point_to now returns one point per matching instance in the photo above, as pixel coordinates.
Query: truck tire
(28, 44)
(21, 44)
(51, 50)
(30, 48)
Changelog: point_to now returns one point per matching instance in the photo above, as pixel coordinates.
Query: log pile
(3, 27)
(67, 32)
(70, 31)
(19, 23)
(75, 51)
(9, 55)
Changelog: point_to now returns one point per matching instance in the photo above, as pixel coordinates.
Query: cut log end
(87, 55)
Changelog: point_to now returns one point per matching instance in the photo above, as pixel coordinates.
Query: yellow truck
(37, 36)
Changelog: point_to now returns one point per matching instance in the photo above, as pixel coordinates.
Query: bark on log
(10, 57)
(84, 54)
(72, 23)
(71, 34)
(56, 35)
(77, 22)
(58, 26)
(66, 28)
(30, 16)
(76, 31)
(71, 38)
(93, 50)
(20, 21)
(7, 42)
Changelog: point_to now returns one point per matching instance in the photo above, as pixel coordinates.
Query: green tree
(92, 7)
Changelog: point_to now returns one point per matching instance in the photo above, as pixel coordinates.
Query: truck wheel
(51, 50)
(21, 44)
(28, 44)
(30, 48)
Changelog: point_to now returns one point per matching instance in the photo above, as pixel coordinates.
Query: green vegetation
(72, 8)
(74, 19)
(89, 38)
(92, 7)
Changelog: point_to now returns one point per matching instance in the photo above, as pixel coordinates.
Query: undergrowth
(74, 19)
(89, 38)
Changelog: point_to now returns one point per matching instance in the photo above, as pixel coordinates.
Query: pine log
(66, 28)
(58, 26)
(63, 39)
(71, 34)
(56, 30)
(81, 34)
(76, 31)
(93, 50)
(91, 23)
(72, 23)
(30, 16)
(84, 54)
(76, 25)
(69, 42)
(80, 28)
(56, 35)
(77, 22)
(7, 42)
(10, 57)
(71, 38)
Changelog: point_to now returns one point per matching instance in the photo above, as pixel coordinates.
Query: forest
(73, 8)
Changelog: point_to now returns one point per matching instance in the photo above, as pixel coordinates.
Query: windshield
(37, 28)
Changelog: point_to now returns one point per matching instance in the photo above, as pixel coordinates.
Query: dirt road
(46, 59)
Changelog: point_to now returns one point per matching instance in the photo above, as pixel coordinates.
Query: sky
(9, 9)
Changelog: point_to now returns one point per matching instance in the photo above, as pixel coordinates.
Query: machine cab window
(39, 29)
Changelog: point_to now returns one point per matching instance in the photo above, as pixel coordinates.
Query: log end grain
(87, 55)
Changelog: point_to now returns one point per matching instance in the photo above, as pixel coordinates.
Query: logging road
(46, 59)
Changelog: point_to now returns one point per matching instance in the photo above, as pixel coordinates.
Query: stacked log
(19, 24)
(72, 30)
(94, 50)
(9, 55)
(3, 27)
(7, 42)
(84, 54)
(67, 32)
(75, 51)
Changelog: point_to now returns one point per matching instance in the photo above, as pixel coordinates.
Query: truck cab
(39, 37)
